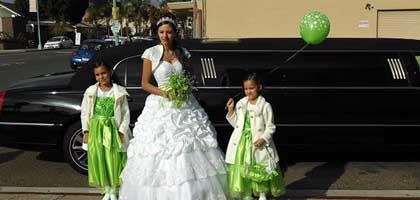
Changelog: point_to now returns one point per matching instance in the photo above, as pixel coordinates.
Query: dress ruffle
(174, 155)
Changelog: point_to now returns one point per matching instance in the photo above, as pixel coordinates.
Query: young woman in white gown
(174, 154)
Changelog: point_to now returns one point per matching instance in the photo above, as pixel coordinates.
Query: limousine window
(134, 72)
(341, 70)
(128, 71)
(229, 68)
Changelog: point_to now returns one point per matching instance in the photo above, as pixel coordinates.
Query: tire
(72, 148)
(74, 67)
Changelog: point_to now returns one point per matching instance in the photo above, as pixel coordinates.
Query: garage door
(399, 24)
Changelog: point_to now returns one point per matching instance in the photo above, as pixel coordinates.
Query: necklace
(169, 55)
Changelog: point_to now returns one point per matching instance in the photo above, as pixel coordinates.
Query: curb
(11, 51)
(50, 190)
(355, 193)
(399, 194)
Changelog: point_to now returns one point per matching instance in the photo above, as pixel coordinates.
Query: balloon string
(301, 49)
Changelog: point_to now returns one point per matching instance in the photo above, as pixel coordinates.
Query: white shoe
(106, 197)
(114, 197)
(262, 197)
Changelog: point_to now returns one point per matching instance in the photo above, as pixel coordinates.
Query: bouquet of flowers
(178, 88)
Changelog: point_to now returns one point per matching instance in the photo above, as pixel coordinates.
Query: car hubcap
(78, 155)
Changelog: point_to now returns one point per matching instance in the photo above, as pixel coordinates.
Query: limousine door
(128, 73)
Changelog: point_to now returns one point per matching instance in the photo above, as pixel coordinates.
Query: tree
(58, 10)
(22, 6)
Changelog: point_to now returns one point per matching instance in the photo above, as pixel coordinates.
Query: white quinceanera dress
(174, 154)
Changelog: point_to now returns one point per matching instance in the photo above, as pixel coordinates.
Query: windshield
(92, 46)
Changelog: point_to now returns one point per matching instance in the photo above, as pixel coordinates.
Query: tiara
(165, 19)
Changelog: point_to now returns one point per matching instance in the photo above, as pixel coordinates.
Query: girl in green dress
(251, 154)
(105, 121)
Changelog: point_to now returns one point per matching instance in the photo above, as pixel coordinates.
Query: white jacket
(262, 126)
(155, 53)
(121, 110)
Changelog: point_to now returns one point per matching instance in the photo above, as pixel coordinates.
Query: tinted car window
(134, 71)
(120, 73)
(340, 69)
(229, 68)
(128, 72)
(92, 46)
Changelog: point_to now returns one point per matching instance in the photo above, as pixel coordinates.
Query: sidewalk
(8, 51)
(71, 193)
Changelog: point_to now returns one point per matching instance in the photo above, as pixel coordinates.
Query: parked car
(58, 42)
(86, 51)
(344, 92)
(141, 39)
(122, 40)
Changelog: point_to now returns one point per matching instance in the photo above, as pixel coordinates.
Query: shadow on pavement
(51, 156)
(8, 156)
(322, 176)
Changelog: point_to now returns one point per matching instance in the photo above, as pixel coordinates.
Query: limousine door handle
(130, 99)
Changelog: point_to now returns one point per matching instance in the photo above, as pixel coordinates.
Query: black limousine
(344, 92)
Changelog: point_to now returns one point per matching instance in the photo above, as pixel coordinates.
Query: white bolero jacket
(262, 126)
(155, 53)
(121, 110)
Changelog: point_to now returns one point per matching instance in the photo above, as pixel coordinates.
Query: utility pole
(116, 26)
(39, 27)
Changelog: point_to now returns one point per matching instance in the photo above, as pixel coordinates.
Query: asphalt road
(16, 66)
(329, 169)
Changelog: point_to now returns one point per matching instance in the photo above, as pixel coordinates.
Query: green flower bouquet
(178, 88)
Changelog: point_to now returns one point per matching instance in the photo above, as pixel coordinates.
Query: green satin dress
(247, 176)
(106, 158)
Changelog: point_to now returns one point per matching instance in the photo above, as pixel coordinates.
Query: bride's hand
(169, 95)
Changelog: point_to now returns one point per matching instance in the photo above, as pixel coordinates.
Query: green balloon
(314, 27)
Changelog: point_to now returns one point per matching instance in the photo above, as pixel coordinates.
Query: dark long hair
(175, 44)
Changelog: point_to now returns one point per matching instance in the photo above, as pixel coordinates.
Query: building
(8, 20)
(274, 18)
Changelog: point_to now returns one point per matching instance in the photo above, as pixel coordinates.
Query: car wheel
(72, 148)
(74, 66)
(60, 46)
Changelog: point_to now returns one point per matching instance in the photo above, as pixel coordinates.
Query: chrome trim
(392, 69)
(119, 62)
(208, 67)
(203, 68)
(213, 68)
(333, 125)
(394, 63)
(125, 74)
(295, 50)
(402, 68)
(206, 62)
(349, 125)
(302, 88)
(29, 124)
(314, 88)
(133, 88)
